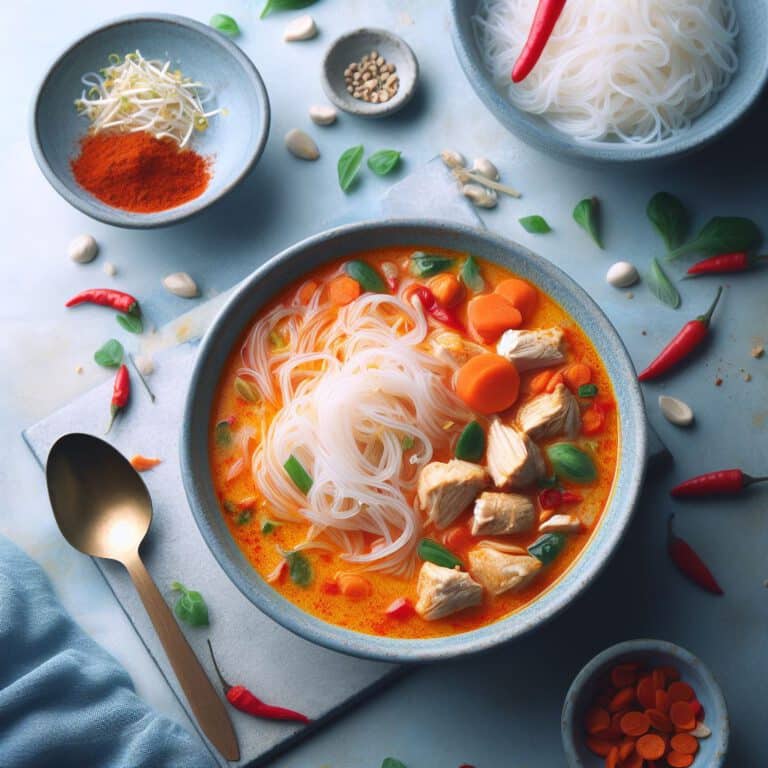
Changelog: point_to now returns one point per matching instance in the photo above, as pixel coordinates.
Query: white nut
(561, 524)
(83, 249)
(301, 28)
(453, 159)
(480, 196)
(181, 284)
(301, 145)
(144, 364)
(622, 274)
(701, 731)
(484, 167)
(676, 411)
(322, 114)
(109, 268)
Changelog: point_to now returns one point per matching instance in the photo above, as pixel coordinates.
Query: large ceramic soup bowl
(229, 524)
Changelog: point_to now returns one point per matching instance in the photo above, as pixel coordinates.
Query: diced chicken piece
(514, 460)
(496, 514)
(445, 490)
(500, 572)
(561, 524)
(552, 414)
(532, 349)
(443, 591)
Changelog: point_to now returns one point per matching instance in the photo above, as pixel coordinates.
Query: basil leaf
(301, 478)
(722, 234)
(670, 218)
(110, 354)
(587, 215)
(428, 264)
(243, 517)
(366, 275)
(223, 433)
(547, 547)
(283, 5)
(348, 165)
(436, 553)
(268, 526)
(384, 161)
(246, 390)
(471, 276)
(225, 24)
(662, 287)
(130, 323)
(587, 390)
(572, 463)
(536, 225)
(471, 444)
(390, 762)
(190, 607)
(408, 442)
(299, 568)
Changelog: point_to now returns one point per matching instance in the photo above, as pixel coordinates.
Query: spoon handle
(208, 708)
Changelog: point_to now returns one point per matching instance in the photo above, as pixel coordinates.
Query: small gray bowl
(712, 750)
(350, 48)
(732, 104)
(235, 140)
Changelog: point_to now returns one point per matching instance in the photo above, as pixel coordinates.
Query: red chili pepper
(121, 392)
(739, 261)
(689, 563)
(241, 698)
(552, 498)
(441, 314)
(688, 338)
(724, 482)
(401, 608)
(106, 297)
(547, 14)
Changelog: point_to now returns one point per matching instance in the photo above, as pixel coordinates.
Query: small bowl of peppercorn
(370, 73)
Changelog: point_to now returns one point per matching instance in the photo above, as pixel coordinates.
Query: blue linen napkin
(64, 701)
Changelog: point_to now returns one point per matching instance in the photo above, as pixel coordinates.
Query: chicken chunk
(500, 572)
(443, 591)
(445, 490)
(532, 349)
(514, 460)
(561, 524)
(552, 414)
(496, 514)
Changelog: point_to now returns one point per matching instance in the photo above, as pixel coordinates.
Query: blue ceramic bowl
(235, 140)
(712, 750)
(732, 104)
(290, 265)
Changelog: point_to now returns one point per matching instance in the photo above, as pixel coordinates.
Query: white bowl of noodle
(619, 80)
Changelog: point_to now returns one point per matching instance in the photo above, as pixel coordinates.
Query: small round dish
(712, 750)
(235, 140)
(350, 48)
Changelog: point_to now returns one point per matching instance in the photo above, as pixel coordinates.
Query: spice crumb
(630, 295)
(746, 376)
(758, 351)
(765, 583)
(372, 79)
(109, 268)
(643, 333)
(718, 381)
(79, 369)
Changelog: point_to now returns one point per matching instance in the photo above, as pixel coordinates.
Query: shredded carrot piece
(626, 749)
(596, 721)
(554, 382)
(353, 586)
(343, 290)
(143, 463)
(612, 758)
(307, 291)
(651, 746)
(685, 743)
(635, 723)
(539, 382)
(592, 421)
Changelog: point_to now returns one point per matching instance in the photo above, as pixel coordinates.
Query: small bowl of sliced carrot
(645, 704)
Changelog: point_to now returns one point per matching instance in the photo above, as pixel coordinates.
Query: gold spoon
(103, 509)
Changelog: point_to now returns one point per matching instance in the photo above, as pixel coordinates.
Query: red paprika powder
(138, 172)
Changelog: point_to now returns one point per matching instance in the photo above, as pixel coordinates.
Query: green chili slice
(301, 478)
(428, 264)
(587, 390)
(547, 547)
(436, 553)
(366, 275)
(471, 444)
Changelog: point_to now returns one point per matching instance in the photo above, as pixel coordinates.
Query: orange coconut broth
(245, 510)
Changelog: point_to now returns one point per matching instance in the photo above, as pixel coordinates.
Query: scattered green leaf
(243, 517)
(190, 606)
(366, 275)
(722, 234)
(283, 5)
(225, 24)
(268, 526)
(390, 762)
(471, 443)
(571, 462)
(408, 442)
(587, 215)
(301, 478)
(670, 218)
(223, 433)
(587, 390)
(110, 354)
(536, 225)
(662, 287)
(299, 568)
(384, 161)
(547, 547)
(471, 275)
(428, 264)
(130, 323)
(436, 553)
(348, 165)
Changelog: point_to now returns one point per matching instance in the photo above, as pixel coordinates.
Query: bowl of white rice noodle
(619, 80)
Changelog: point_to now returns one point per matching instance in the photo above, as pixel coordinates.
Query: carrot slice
(626, 749)
(488, 383)
(650, 747)
(577, 375)
(343, 290)
(592, 421)
(635, 723)
(446, 289)
(622, 699)
(520, 294)
(596, 721)
(681, 715)
(660, 721)
(307, 291)
(354, 586)
(614, 732)
(553, 383)
(671, 673)
(633, 761)
(539, 382)
(143, 463)
(662, 701)
(490, 314)
(646, 693)
(622, 675)
(679, 760)
(612, 758)
(600, 747)
(680, 691)
(684, 743)
(659, 678)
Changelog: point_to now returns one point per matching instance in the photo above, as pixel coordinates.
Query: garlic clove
(181, 284)
(480, 196)
(484, 167)
(675, 411)
(83, 249)
(622, 274)
(109, 268)
(301, 28)
(322, 114)
(301, 145)
(453, 159)
(144, 364)
(701, 731)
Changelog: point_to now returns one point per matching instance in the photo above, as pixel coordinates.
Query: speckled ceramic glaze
(352, 47)
(712, 750)
(283, 269)
(235, 141)
(733, 103)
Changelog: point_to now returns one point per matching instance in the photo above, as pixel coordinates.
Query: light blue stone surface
(490, 711)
